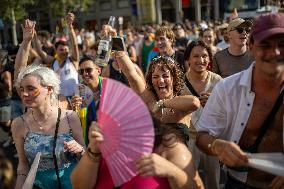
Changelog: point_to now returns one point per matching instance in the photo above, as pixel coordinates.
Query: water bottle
(104, 48)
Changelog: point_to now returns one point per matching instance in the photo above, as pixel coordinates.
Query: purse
(54, 146)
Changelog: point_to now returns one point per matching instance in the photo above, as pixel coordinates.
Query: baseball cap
(178, 26)
(267, 25)
(238, 22)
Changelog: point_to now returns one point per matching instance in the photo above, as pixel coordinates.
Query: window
(105, 5)
(123, 4)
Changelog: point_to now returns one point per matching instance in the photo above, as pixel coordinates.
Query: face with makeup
(33, 94)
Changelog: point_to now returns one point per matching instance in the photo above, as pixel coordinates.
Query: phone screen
(118, 44)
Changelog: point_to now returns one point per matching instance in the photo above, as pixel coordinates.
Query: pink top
(104, 181)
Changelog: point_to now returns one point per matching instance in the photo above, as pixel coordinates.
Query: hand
(73, 147)
(229, 153)
(107, 30)
(157, 106)
(95, 137)
(28, 28)
(277, 183)
(203, 98)
(70, 19)
(76, 102)
(153, 165)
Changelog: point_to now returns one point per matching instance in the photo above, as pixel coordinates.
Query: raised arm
(137, 83)
(47, 59)
(24, 50)
(186, 103)
(74, 44)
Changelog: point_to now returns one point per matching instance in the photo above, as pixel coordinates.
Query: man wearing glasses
(236, 57)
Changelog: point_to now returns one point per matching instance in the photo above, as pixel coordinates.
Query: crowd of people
(214, 92)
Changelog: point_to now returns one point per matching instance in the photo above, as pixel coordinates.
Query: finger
(277, 183)
(143, 160)
(233, 158)
(145, 170)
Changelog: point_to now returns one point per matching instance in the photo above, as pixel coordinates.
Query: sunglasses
(241, 30)
(87, 70)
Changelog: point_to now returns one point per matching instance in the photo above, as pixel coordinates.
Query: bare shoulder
(177, 153)
(71, 115)
(148, 97)
(18, 126)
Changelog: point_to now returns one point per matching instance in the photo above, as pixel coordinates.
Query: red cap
(267, 25)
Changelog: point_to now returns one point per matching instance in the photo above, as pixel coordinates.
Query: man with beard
(236, 57)
(244, 113)
(64, 65)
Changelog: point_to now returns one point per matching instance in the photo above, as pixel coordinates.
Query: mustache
(273, 59)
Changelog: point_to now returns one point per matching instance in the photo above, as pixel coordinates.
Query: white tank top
(68, 77)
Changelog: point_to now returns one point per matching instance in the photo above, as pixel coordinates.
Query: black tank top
(117, 75)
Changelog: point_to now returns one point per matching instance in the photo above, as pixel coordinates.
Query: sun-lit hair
(166, 63)
(166, 31)
(48, 78)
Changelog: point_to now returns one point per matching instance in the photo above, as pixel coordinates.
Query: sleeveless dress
(46, 178)
(104, 181)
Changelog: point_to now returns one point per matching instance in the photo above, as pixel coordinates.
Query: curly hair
(166, 63)
(166, 31)
(46, 76)
(193, 44)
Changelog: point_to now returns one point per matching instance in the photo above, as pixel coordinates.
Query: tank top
(68, 77)
(117, 75)
(104, 181)
(35, 142)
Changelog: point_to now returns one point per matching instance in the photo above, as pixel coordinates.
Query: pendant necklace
(37, 122)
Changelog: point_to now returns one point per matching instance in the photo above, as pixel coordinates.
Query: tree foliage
(6, 7)
(62, 7)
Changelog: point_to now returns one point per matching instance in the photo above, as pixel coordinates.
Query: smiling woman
(162, 90)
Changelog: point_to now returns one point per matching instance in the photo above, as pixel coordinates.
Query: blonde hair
(48, 78)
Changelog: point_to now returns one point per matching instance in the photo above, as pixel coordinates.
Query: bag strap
(265, 125)
(190, 87)
(54, 146)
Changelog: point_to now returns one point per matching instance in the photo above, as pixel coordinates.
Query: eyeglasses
(165, 58)
(241, 30)
(87, 70)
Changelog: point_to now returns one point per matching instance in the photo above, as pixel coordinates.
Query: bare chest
(272, 140)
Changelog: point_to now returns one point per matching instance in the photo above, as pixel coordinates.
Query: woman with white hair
(45, 128)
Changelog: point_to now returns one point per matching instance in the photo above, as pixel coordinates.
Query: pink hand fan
(127, 127)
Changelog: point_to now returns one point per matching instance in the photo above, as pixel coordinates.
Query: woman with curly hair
(162, 90)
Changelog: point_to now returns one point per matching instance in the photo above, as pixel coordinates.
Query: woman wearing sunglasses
(54, 132)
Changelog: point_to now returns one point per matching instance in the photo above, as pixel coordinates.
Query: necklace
(37, 122)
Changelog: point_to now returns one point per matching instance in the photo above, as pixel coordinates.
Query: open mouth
(162, 89)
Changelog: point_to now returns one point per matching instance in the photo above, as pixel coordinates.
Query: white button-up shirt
(227, 110)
